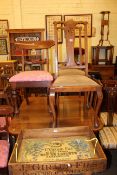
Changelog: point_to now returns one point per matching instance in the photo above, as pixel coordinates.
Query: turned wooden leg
(26, 92)
(52, 108)
(48, 103)
(14, 96)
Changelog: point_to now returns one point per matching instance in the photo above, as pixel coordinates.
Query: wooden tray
(69, 150)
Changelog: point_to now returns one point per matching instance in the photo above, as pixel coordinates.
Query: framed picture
(3, 47)
(81, 17)
(49, 19)
(3, 26)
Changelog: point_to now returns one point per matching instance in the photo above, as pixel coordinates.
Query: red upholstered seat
(31, 76)
(4, 152)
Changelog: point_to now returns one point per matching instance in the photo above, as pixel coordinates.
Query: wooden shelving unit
(21, 35)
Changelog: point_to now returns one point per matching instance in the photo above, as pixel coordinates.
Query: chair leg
(14, 95)
(48, 100)
(52, 106)
(26, 95)
(97, 107)
(57, 102)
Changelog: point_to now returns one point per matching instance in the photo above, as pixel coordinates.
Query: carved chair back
(71, 29)
(36, 56)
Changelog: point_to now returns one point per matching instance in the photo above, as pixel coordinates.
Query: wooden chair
(34, 78)
(72, 75)
(108, 135)
(6, 115)
(6, 112)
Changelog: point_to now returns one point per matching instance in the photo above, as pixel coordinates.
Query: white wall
(31, 14)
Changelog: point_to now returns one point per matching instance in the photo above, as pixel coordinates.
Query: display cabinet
(28, 35)
(102, 61)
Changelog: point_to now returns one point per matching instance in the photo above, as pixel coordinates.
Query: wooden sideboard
(106, 71)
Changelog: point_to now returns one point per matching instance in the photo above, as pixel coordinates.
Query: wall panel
(31, 14)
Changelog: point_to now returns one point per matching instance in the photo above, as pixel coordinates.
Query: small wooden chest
(69, 150)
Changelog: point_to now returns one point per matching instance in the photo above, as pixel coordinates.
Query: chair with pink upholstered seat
(6, 112)
(30, 79)
(4, 145)
(4, 154)
(34, 78)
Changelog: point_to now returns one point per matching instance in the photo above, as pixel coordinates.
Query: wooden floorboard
(37, 115)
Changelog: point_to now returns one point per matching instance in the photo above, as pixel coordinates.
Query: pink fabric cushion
(4, 152)
(2, 122)
(31, 76)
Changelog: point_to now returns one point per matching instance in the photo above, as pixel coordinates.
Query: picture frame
(3, 47)
(3, 26)
(81, 17)
(49, 19)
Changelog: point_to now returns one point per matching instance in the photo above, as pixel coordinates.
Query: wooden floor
(37, 115)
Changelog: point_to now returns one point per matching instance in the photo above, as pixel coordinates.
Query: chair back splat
(27, 49)
(74, 45)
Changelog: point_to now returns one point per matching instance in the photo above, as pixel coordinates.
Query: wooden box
(51, 151)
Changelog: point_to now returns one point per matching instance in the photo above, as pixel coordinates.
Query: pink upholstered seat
(2, 122)
(4, 152)
(5, 117)
(31, 76)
